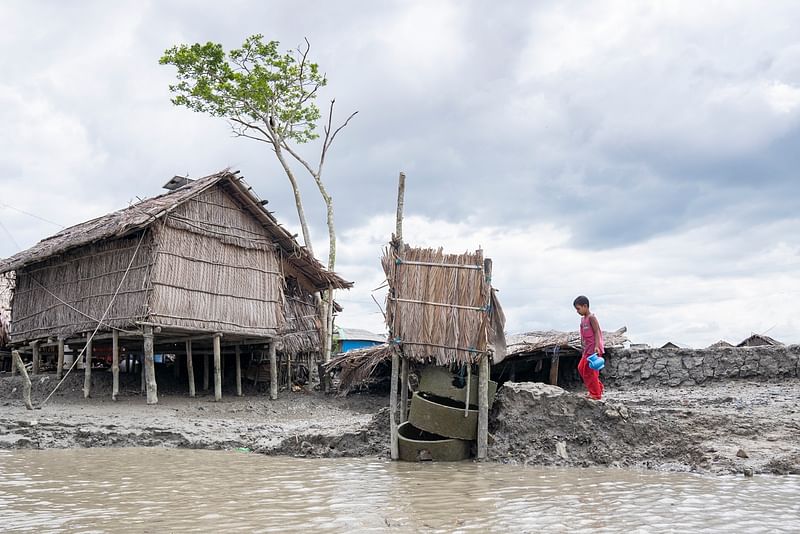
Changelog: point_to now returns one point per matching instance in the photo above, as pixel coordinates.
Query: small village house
(201, 271)
(759, 340)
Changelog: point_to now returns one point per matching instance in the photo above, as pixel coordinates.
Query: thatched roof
(521, 344)
(758, 340)
(142, 214)
(358, 366)
(721, 344)
(441, 307)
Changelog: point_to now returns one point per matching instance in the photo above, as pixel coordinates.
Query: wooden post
(393, 404)
(205, 371)
(554, 368)
(60, 363)
(36, 362)
(143, 378)
(217, 368)
(483, 407)
(26, 381)
(190, 367)
(403, 391)
(14, 364)
(273, 372)
(238, 371)
(150, 366)
(289, 370)
(397, 243)
(114, 364)
(87, 367)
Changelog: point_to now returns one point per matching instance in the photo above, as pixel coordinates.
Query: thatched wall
(439, 308)
(216, 269)
(68, 294)
(301, 331)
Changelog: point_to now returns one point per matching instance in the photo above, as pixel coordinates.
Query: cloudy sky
(645, 154)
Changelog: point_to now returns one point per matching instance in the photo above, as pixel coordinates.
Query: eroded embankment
(725, 428)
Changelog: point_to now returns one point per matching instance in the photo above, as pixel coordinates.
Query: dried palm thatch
(301, 330)
(204, 257)
(520, 344)
(439, 306)
(358, 367)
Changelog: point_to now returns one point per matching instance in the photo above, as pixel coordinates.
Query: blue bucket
(596, 362)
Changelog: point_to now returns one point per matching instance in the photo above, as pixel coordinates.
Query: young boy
(591, 341)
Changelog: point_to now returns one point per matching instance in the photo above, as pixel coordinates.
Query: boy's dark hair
(581, 300)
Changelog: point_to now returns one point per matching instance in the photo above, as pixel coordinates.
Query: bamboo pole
(273, 372)
(114, 365)
(150, 366)
(26, 381)
(238, 371)
(217, 368)
(398, 244)
(289, 370)
(142, 378)
(483, 407)
(190, 367)
(36, 362)
(13, 365)
(205, 371)
(87, 367)
(393, 404)
(403, 391)
(60, 363)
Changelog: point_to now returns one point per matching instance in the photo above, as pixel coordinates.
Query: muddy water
(167, 490)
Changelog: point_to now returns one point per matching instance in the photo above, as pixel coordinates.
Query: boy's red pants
(591, 378)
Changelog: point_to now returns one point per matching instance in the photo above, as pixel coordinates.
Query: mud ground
(723, 427)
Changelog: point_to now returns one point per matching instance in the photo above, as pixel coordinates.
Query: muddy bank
(253, 422)
(687, 367)
(720, 428)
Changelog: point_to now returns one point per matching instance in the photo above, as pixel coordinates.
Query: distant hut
(674, 345)
(203, 269)
(535, 356)
(759, 340)
(349, 339)
(721, 344)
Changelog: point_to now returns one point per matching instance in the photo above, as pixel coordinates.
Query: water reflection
(100, 490)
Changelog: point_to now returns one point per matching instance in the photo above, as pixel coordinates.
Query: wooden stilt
(206, 365)
(273, 372)
(60, 362)
(289, 371)
(87, 367)
(554, 369)
(190, 367)
(217, 368)
(393, 405)
(238, 371)
(114, 365)
(150, 366)
(483, 407)
(14, 364)
(36, 362)
(143, 381)
(403, 391)
(26, 384)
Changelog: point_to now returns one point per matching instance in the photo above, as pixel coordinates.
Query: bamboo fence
(301, 330)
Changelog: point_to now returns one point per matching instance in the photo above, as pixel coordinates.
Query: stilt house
(203, 263)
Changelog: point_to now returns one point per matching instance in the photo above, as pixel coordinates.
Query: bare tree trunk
(298, 202)
(26, 381)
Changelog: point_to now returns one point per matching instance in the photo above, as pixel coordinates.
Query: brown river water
(170, 490)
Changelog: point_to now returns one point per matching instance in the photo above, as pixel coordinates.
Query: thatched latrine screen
(440, 306)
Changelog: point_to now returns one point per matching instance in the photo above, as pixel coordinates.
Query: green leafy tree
(267, 96)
